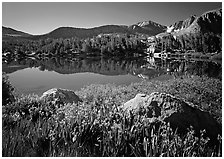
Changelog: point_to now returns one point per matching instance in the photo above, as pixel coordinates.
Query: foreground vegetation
(98, 127)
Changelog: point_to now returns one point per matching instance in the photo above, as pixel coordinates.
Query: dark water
(30, 75)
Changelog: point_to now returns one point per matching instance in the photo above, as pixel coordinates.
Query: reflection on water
(30, 75)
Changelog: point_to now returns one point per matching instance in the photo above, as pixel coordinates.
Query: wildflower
(16, 116)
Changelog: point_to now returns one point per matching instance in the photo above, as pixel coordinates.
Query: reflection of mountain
(180, 67)
(65, 66)
(100, 66)
(210, 69)
(143, 68)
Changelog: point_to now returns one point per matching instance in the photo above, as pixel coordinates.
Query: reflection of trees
(117, 66)
(207, 68)
(100, 65)
(210, 69)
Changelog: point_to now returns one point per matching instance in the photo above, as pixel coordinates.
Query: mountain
(9, 32)
(68, 32)
(180, 25)
(147, 27)
(210, 21)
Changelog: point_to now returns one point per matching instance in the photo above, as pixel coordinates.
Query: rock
(178, 113)
(60, 95)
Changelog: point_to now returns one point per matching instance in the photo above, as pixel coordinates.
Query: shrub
(7, 90)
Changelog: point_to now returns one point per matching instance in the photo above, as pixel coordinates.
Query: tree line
(207, 42)
(104, 44)
(113, 44)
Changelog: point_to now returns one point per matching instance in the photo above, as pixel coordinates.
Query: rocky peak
(188, 21)
(210, 21)
(177, 26)
(147, 27)
(149, 23)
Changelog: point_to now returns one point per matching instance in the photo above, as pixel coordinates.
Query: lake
(31, 75)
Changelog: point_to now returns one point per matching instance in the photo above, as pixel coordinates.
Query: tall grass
(98, 127)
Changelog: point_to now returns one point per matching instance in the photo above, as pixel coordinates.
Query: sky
(42, 17)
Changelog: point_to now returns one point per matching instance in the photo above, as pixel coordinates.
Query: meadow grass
(98, 127)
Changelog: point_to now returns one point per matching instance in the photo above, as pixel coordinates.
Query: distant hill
(68, 32)
(148, 27)
(208, 22)
(9, 32)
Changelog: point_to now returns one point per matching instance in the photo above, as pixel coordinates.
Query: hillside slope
(147, 27)
(208, 22)
(13, 33)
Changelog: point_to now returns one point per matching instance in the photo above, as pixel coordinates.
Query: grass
(98, 127)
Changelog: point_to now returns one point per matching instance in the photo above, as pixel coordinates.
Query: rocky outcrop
(178, 113)
(60, 95)
(210, 21)
(177, 26)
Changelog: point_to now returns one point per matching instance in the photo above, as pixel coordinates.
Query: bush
(7, 90)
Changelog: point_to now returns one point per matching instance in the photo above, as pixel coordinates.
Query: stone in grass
(60, 96)
(179, 113)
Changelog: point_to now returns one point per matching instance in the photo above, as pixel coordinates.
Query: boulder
(177, 112)
(60, 95)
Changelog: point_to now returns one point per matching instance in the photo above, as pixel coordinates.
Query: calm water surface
(31, 75)
(32, 80)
